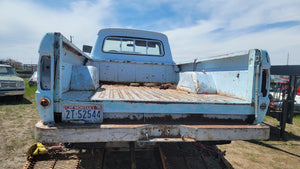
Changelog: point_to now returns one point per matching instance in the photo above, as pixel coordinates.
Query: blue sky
(196, 28)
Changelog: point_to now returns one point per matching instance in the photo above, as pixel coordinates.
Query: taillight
(44, 102)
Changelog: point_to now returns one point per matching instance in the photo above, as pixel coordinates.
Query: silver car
(33, 79)
(10, 83)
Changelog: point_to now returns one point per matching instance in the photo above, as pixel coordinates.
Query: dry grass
(273, 153)
(17, 120)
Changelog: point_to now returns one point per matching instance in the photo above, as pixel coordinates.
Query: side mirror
(87, 48)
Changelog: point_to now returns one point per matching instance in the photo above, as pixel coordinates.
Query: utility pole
(287, 59)
(71, 38)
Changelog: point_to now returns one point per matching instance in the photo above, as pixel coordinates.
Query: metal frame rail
(166, 155)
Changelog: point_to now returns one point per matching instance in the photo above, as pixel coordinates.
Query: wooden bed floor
(152, 94)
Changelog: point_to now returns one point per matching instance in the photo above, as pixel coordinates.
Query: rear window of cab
(135, 46)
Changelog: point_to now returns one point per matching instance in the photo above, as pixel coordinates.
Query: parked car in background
(33, 79)
(10, 83)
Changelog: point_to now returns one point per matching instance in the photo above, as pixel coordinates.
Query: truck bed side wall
(231, 76)
(63, 58)
(243, 75)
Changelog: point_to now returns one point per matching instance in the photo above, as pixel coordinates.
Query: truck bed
(144, 94)
(141, 104)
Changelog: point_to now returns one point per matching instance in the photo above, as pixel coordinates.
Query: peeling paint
(224, 90)
(147, 133)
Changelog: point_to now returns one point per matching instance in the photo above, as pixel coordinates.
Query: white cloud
(235, 18)
(278, 42)
(23, 24)
(238, 14)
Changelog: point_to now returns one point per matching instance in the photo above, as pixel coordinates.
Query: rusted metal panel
(176, 118)
(68, 46)
(60, 133)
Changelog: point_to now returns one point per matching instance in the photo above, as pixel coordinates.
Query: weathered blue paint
(138, 107)
(222, 87)
(263, 100)
(230, 75)
(197, 82)
(84, 78)
(45, 49)
(136, 72)
(99, 55)
(124, 67)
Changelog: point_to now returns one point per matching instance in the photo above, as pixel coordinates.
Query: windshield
(7, 71)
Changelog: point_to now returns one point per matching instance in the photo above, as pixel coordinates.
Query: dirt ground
(17, 120)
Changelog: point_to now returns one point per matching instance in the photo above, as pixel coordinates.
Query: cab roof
(132, 33)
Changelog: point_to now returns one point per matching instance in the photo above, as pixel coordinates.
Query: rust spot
(228, 95)
(71, 49)
(161, 131)
(263, 106)
(167, 86)
(168, 119)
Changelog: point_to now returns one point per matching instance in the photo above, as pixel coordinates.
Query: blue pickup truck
(130, 89)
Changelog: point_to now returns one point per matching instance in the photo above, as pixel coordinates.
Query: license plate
(82, 112)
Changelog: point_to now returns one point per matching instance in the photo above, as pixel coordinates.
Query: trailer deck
(161, 156)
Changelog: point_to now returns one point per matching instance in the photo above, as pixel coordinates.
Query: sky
(195, 28)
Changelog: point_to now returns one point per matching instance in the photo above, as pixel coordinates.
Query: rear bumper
(11, 92)
(83, 133)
